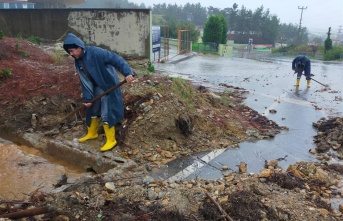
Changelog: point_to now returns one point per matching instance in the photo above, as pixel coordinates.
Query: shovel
(91, 101)
(325, 85)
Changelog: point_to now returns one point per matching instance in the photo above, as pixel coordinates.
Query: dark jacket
(101, 64)
(303, 63)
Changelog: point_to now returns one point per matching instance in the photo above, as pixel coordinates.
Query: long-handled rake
(92, 101)
(325, 85)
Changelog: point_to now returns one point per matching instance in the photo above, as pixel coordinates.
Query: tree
(223, 21)
(175, 25)
(242, 23)
(317, 40)
(199, 15)
(192, 13)
(231, 15)
(288, 33)
(213, 11)
(174, 12)
(160, 8)
(194, 32)
(328, 42)
(269, 31)
(215, 30)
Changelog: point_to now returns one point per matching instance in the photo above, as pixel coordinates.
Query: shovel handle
(92, 101)
(319, 82)
(325, 85)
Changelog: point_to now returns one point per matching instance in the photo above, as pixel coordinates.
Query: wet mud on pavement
(271, 92)
(268, 85)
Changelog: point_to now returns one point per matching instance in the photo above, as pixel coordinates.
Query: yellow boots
(110, 137)
(92, 131)
(297, 82)
(308, 83)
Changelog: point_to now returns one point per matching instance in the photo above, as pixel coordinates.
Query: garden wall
(125, 31)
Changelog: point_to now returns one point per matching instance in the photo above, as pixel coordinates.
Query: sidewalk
(173, 57)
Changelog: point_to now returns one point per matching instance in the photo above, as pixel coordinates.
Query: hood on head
(300, 65)
(71, 39)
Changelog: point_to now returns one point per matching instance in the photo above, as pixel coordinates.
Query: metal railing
(205, 47)
(260, 55)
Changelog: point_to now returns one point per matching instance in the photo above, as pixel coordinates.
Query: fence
(205, 47)
(260, 55)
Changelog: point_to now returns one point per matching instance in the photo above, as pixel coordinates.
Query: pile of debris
(329, 138)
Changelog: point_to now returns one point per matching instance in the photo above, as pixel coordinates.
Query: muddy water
(24, 170)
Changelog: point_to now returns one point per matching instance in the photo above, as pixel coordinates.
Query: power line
(299, 31)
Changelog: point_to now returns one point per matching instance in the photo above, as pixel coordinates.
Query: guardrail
(258, 55)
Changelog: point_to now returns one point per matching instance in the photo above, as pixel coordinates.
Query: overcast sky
(319, 15)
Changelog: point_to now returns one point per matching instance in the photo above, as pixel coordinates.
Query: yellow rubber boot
(92, 131)
(110, 137)
(297, 83)
(308, 83)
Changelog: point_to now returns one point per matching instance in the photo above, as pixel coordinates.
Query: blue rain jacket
(101, 64)
(305, 62)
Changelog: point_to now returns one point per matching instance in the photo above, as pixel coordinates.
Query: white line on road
(275, 104)
(283, 98)
(196, 165)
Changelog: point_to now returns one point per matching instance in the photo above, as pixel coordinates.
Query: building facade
(10, 4)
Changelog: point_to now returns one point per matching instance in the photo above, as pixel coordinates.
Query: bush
(35, 40)
(151, 67)
(184, 91)
(4, 74)
(333, 54)
(302, 48)
(1, 35)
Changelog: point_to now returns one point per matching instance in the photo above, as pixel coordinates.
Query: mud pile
(330, 136)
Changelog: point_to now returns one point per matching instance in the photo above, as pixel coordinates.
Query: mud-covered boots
(92, 131)
(308, 83)
(110, 138)
(297, 82)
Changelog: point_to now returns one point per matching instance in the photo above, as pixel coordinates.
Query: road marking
(196, 165)
(283, 98)
(275, 104)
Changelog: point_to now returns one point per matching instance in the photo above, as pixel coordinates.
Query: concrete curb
(84, 156)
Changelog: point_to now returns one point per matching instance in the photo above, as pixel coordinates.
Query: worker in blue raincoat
(96, 68)
(302, 64)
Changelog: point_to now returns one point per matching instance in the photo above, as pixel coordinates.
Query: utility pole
(299, 31)
(339, 34)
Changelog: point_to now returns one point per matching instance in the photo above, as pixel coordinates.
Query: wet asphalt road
(270, 83)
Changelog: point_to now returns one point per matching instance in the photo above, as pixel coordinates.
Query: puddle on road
(24, 170)
(207, 165)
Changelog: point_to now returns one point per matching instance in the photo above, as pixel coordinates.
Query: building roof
(15, 1)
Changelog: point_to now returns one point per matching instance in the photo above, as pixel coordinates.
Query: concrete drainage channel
(83, 156)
